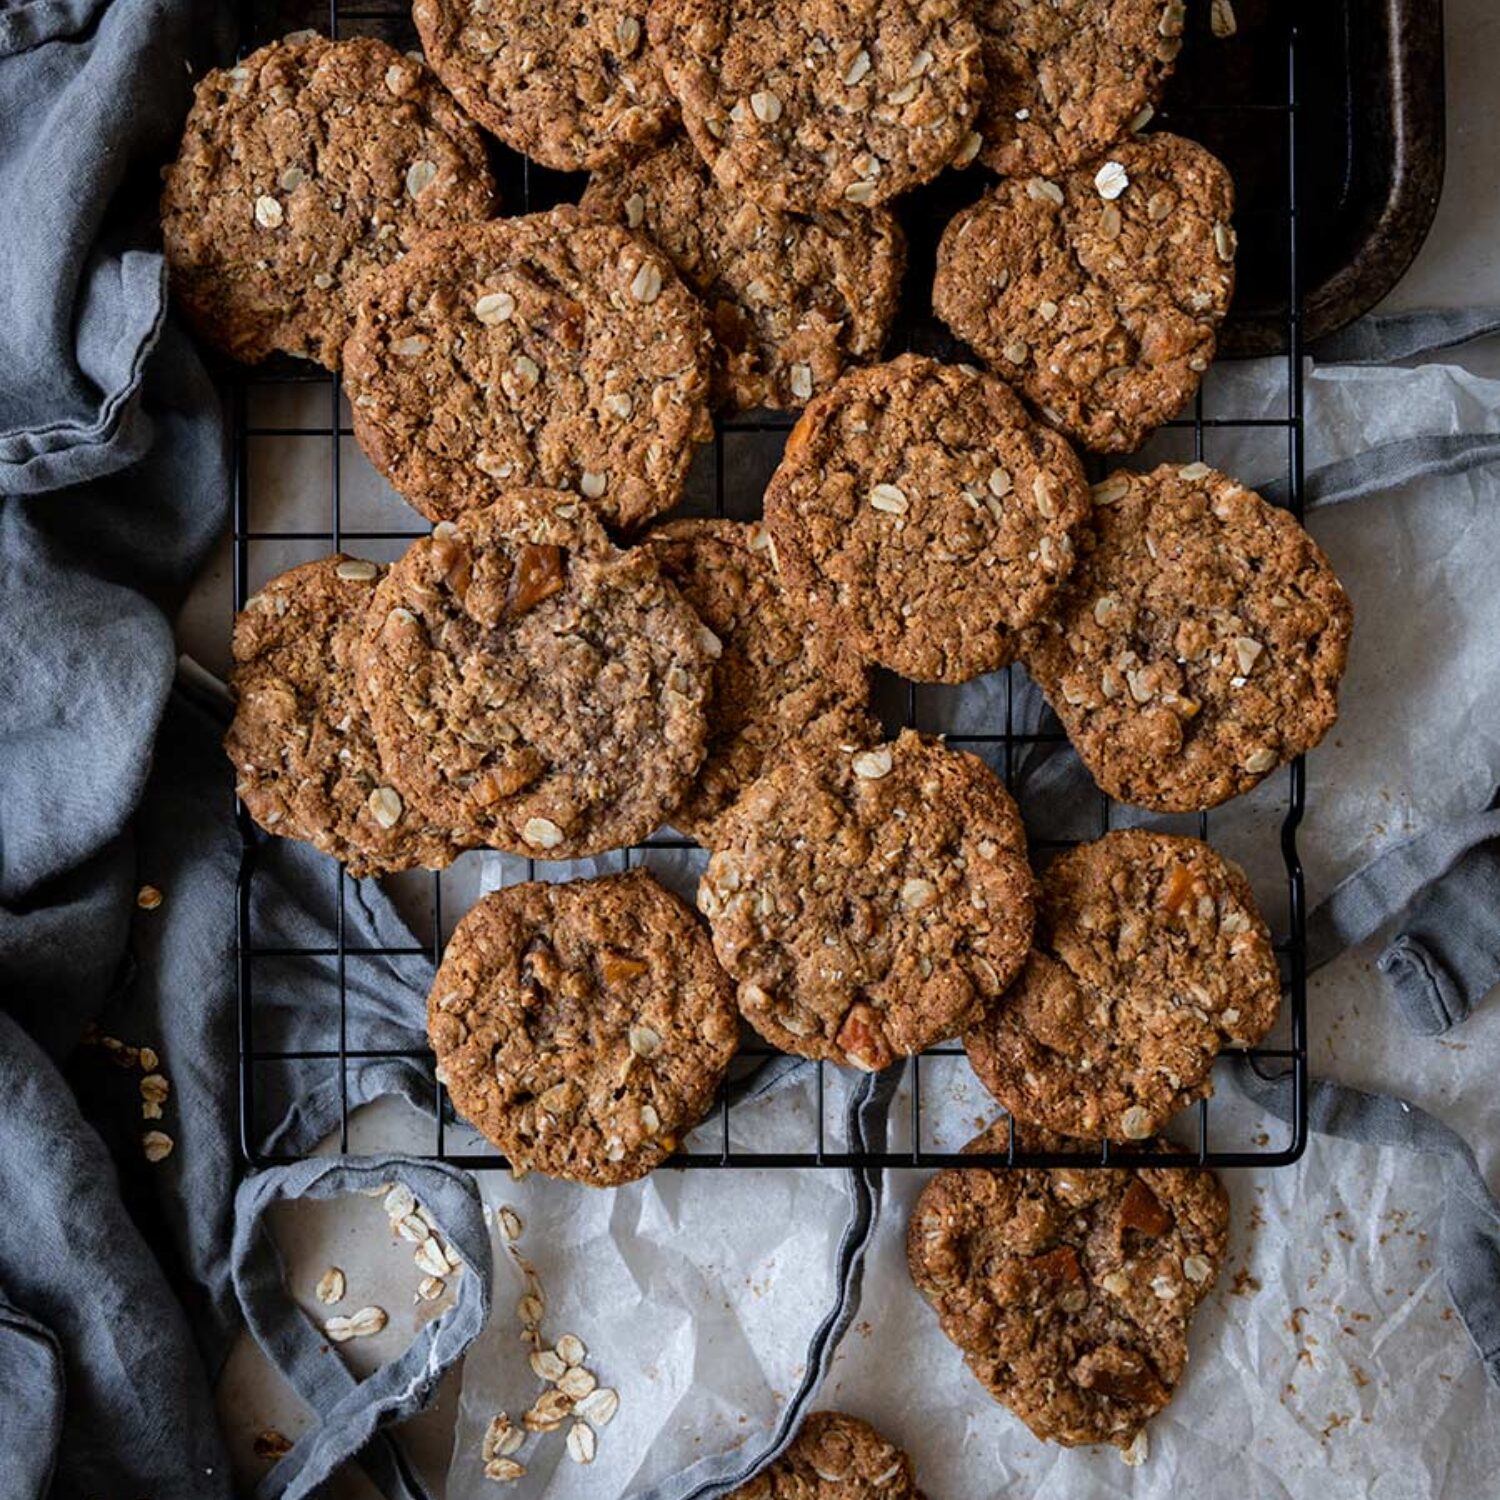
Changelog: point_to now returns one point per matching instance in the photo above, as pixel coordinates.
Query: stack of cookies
(551, 674)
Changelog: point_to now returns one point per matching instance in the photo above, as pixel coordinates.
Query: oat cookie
(1064, 81)
(920, 513)
(583, 1028)
(807, 104)
(572, 89)
(1069, 1291)
(1149, 956)
(835, 1457)
(869, 904)
(1099, 294)
(792, 298)
(1199, 643)
(529, 684)
(545, 350)
(300, 169)
(780, 680)
(305, 761)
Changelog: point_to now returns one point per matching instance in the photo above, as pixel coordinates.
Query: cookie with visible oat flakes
(1069, 1291)
(306, 764)
(792, 298)
(835, 1457)
(585, 1027)
(552, 349)
(922, 514)
(302, 168)
(532, 686)
(1199, 643)
(1100, 294)
(869, 903)
(1149, 957)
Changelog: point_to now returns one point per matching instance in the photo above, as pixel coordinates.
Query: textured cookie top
(1070, 1291)
(869, 904)
(300, 169)
(921, 512)
(1199, 643)
(305, 761)
(1099, 294)
(573, 90)
(552, 349)
(780, 680)
(1149, 956)
(530, 685)
(583, 1028)
(1065, 80)
(792, 298)
(815, 103)
(835, 1457)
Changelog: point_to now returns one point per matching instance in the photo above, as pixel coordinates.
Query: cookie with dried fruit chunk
(835, 1457)
(552, 349)
(1149, 957)
(869, 903)
(780, 680)
(583, 1028)
(808, 104)
(1064, 81)
(792, 298)
(1199, 643)
(305, 761)
(302, 168)
(1099, 294)
(532, 686)
(571, 91)
(1069, 1291)
(920, 512)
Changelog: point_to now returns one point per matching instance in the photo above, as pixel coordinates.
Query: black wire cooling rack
(1242, 98)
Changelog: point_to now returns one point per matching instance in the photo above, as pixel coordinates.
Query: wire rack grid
(1274, 235)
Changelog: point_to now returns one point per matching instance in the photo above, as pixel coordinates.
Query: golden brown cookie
(1149, 956)
(552, 349)
(302, 168)
(1069, 1291)
(572, 88)
(808, 104)
(835, 1457)
(1099, 294)
(583, 1028)
(869, 904)
(532, 686)
(780, 680)
(305, 762)
(920, 513)
(1199, 643)
(1064, 81)
(792, 298)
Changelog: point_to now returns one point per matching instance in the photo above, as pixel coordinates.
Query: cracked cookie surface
(1199, 643)
(582, 1027)
(921, 512)
(835, 1457)
(1064, 81)
(571, 89)
(302, 168)
(869, 904)
(1069, 1291)
(306, 764)
(792, 298)
(534, 687)
(820, 104)
(1100, 294)
(780, 681)
(1149, 957)
(552, 349)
